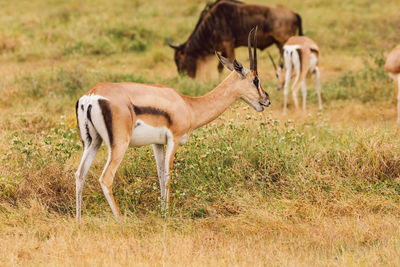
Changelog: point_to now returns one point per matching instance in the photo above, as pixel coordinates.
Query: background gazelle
(300, 54)
(123, 114)
(392, 66)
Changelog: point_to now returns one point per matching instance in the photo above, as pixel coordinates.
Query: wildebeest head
(186, 63)
(247, 81)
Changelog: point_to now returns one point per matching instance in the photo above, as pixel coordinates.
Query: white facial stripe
(259, 90)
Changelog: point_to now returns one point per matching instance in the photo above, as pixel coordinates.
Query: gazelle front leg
(159, 156)
(304, 93)
(286, 88)
(172, 145)
(318, 87)
(295, 86)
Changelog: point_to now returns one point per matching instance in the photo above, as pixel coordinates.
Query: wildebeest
(224, 25)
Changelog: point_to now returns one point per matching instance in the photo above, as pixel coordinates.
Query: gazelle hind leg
(159, 156)
(294, 96)
(285, 95)
(89, 154)
(297, 66)
(318, 87)
(115, 156)
(304, 93)
(288, 74)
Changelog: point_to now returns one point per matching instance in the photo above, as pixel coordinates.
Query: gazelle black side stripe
(152, 111)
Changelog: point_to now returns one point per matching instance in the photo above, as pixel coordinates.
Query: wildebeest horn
(272, 60)
(174, 46)
(255, 49)
(250, 54)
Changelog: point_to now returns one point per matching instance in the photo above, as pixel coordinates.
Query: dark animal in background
(224, 25)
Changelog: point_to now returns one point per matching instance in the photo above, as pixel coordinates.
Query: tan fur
(307, 48)
(306, 44)
(186, 114)
(392, 66)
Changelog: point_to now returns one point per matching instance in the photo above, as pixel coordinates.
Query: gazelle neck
(208, 107)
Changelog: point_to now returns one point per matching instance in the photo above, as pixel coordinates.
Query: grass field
(249, 189)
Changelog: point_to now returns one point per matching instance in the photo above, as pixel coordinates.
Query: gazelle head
(247, 82)
(279, 72)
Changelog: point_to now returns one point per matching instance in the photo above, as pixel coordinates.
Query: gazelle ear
(235, 66)
(239, 68)
(224, 61)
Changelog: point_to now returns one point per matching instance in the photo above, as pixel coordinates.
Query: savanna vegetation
(252, 189)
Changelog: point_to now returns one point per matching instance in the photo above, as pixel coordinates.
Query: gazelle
(123, 114)
(392, 66)
(300, 54)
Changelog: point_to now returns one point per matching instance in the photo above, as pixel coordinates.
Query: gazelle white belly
(144, 134)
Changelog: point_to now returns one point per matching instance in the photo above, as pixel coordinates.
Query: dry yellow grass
(344, 233)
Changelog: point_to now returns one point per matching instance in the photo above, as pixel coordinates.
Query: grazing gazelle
(392, 66)
(123, 114)
(300, 54)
